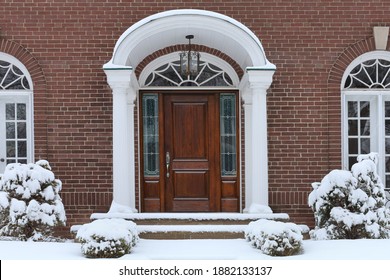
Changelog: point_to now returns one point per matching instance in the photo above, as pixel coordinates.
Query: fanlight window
(11, 77)
(370, 74)
(168, 75)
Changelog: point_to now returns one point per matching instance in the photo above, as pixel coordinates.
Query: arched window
(366, 104)
(169, 75)
(165, 72)
(16, 143)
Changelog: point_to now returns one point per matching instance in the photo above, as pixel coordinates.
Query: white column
(124, 95)
(256, 148)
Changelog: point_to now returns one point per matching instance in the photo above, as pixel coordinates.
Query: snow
(258, 208)
(274, 238)
(4, 202)
(197, 249)
(118, 208)
(110, 229)
(190, 216)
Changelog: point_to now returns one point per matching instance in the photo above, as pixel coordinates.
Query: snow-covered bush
(350, 204)
(107, 238)
(30, 204)
(274, 238)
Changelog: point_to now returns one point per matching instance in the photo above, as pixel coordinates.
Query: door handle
(167, 162)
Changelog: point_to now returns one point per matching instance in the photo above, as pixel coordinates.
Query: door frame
(228, 190)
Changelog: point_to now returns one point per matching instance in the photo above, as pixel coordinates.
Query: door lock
(2, 159)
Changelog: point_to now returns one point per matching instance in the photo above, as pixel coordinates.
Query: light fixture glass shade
(189, 63)
(189, 60)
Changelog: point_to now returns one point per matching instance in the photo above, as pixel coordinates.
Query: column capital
(121, 80)
(118, 76)
(255, 81)
(259, 78)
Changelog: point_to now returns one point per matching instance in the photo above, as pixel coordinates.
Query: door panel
(191, 148)
(190, 129)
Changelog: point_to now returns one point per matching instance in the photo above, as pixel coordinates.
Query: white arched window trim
(20, 96)
(155, 64)
(376, 98)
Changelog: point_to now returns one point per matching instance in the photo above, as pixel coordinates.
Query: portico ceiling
(170, 28)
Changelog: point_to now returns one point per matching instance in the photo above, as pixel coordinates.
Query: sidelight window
(150, 134)
(228, 134)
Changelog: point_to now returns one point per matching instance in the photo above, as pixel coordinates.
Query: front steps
(191, 225)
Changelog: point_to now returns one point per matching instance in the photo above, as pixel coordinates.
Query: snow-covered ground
(197, 249)
(355, 259)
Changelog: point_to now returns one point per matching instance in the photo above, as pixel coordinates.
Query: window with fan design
(366, 117)
(15, 112)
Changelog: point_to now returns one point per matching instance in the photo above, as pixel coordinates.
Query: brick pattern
(64, 44)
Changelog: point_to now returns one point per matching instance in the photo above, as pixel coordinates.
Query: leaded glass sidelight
(387, 142)
(228, 134)
(150, 134)
(16, 132)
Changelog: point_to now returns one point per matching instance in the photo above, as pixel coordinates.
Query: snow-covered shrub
(30, 204)
(350, 204)
(107, 238)
(274, 238)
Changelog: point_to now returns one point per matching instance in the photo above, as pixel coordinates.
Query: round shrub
(30, 204)
(350, 204)
(107, 238)
(275, 238)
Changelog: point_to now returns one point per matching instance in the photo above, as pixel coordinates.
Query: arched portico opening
(214, 31)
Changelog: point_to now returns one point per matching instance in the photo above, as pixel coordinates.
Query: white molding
(170, 28)
(362, 58)
(13, 60)
(158, 62)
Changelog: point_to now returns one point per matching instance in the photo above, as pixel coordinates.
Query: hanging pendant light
(189, 60)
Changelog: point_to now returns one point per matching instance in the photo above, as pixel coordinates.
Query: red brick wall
(64, 44)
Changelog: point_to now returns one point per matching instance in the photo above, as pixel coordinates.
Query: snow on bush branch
(107, 238)
(350, 204)
(30, 204)
(274, 238)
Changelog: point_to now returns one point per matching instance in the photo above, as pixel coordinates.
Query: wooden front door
(190, 150)
(181, 154)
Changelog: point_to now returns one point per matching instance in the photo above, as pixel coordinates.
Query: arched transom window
(370, 74)
(169, 75)
(15, 112)
(212, 72)
(11, 77)
(366, 105)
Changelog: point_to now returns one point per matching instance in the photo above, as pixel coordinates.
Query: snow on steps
(191, 225)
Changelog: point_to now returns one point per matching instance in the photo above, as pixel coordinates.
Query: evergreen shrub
(275, 238)
(107, 238)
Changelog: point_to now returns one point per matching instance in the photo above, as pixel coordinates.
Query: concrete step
(191, 225)
(191, 218)
(191, 231)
